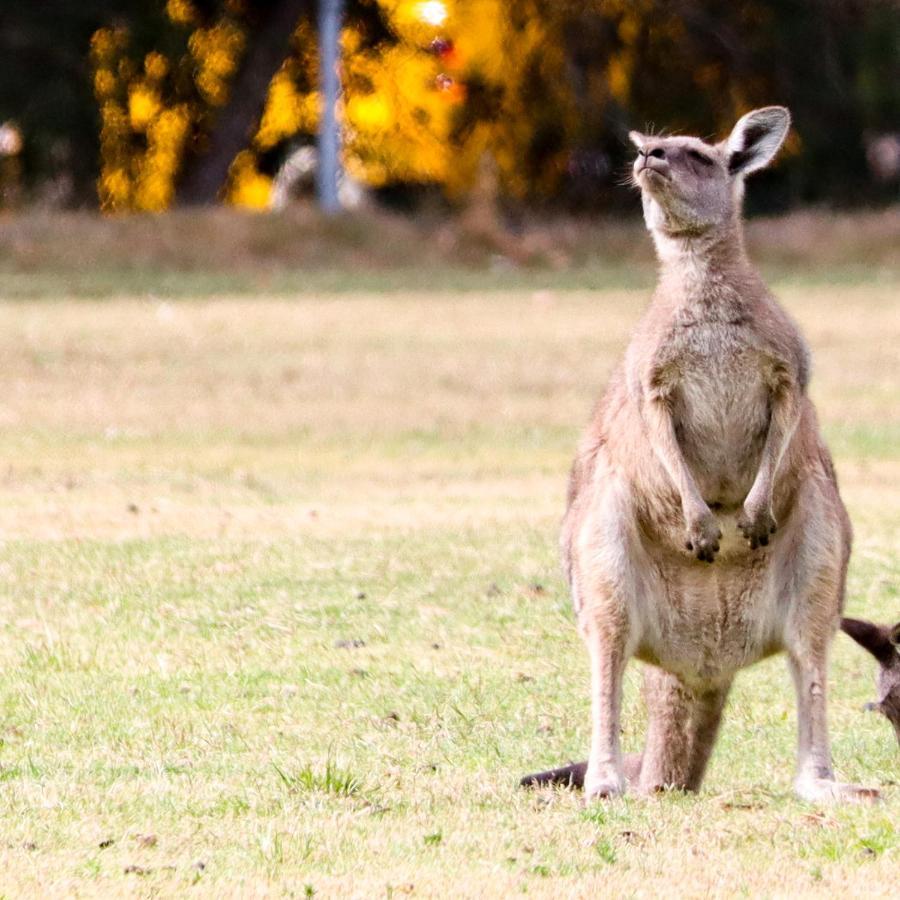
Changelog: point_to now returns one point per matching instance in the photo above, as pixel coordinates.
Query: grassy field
(210, 252)
(282, 613)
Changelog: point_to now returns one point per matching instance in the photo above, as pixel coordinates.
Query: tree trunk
(205, 176)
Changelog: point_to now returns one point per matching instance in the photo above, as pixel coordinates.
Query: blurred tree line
(142, 105)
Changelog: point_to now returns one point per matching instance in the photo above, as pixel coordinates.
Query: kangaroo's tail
(572, 775)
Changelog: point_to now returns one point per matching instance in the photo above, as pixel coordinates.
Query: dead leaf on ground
(136, 870)
(818, 819)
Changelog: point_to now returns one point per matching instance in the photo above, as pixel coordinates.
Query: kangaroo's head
(883, 642)
(690, 187)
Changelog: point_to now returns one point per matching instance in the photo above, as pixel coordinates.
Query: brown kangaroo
(704, 530)
(883, 642)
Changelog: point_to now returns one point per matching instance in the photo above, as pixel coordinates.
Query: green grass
(282, 615)
(178, 284)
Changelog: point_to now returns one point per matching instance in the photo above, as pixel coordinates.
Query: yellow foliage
(369, 112)
(114, 188)
(248, 188)
(125, 70)
(156, 66)
(402, 124)
(114, 123)
(143, 180)
(181, 12)
(153, 191)
(104, 83)
(396, 121)
(136, 175)
(168, 133)
(618, 76)
(480, 33)
(216, 51)
(500, 51)
(155, 186)
(143, 106)
(283, 113)
(400, 107)
(629, 28)
(107, 44)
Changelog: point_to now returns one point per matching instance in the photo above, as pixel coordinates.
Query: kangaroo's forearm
(785, 416)
(661, 434)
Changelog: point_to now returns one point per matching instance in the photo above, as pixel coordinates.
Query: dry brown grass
(200, 499)
(109, 398)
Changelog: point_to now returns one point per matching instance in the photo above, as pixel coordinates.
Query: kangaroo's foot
(603, 785)
(827, 790)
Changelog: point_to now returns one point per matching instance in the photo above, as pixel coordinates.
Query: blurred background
(460, 135)
(146, 106)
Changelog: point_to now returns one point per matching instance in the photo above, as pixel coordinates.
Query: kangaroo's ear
(894, 638)
(873, 638)
(637, 138)
(756, 138)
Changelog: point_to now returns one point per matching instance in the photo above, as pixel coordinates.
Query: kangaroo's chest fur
(706, 622)
(716, 379)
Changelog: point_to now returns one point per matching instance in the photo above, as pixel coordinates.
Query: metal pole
(329, 161)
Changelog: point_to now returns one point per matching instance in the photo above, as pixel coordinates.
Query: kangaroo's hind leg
(605, 573)
(808, 660)
(820, 552)
(681, 731)
(605, 631)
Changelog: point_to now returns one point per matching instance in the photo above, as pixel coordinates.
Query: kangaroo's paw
(703, 536)
(826, 790)
(757, 526)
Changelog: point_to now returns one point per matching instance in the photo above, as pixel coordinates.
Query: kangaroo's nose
(656, 152)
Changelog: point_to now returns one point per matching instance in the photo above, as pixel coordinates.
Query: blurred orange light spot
(143, 105)
(432, 12)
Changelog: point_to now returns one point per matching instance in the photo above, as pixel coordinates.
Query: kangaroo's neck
(711, 267)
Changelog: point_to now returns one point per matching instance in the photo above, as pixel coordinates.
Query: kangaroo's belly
(721, 416)
(706, 622)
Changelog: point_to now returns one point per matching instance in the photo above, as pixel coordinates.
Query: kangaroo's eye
(700, 157)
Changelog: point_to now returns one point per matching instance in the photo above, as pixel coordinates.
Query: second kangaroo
(704, 528)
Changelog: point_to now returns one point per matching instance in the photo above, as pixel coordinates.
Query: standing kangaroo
(704, 530)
